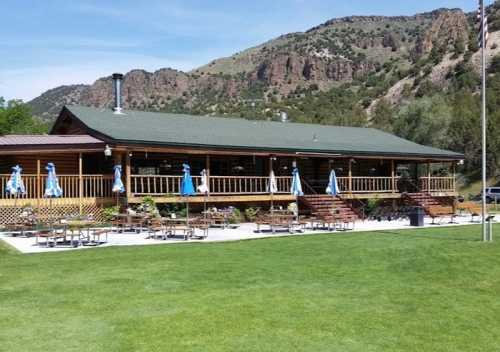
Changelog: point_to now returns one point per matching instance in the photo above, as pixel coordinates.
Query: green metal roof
(220, 132)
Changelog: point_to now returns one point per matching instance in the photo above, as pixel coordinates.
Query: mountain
(374, 57)
(360, 50)
(414, 76)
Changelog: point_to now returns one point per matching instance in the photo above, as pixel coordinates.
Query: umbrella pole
(205, 206)
(272, 204)
(50, 212)
(297, 205)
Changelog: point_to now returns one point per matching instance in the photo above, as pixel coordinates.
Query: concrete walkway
(244, 231)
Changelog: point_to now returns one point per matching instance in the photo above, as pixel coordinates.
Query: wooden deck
(88, 194)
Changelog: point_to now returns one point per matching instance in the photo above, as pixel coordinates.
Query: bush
(370, 206)
(148, 205)
(251, 214)
(235, 217)
(109, 212)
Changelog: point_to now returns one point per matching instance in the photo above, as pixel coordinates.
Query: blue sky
(44, 44)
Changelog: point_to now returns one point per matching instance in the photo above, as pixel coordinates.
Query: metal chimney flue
(117, 91)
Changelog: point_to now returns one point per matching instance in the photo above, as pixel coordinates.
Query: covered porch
(231, 178)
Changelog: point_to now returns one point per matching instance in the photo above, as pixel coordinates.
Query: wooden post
(207, 168)
(117, 158)
(80, 182)
(350, 175)
(128, 179)
(454, 174)
(38, 182)
(428, 177)
(393, 177)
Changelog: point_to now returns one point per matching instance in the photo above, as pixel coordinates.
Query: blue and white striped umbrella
(296, 188)
(15, 185)
(52, 188)
(187, 187)
(118, 184)
(333, 186)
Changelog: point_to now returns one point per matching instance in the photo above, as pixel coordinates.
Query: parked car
(493, 194)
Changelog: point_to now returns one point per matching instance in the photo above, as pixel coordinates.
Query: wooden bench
(95, 236)
(472, 208)
(275, 222)
(334, 221)
(440, 212)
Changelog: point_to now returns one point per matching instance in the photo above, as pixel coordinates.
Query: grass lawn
(417, 290)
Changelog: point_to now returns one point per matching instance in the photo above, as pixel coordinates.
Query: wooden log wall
(65, 163)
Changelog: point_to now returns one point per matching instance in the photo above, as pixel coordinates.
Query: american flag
(483, 25)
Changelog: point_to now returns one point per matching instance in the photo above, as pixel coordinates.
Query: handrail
(308, 186)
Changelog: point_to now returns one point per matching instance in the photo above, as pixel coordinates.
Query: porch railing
(361, 184)
(97, 186)
(156, 185)
(93, 186)
(437, 184)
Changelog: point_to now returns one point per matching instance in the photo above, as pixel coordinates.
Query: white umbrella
(272, 187)
(203, 188)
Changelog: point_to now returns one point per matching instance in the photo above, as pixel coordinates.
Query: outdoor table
(76, 229)
(130, 221)
(183, 224)
(219, 218)
(20, 228)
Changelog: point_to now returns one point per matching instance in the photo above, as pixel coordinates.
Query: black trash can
(417, 216)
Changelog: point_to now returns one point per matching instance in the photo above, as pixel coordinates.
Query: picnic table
(134, 222)
(74, 232)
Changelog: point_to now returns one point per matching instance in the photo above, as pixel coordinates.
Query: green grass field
(416, 290)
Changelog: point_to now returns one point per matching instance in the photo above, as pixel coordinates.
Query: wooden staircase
(322, 204)
(422, 199)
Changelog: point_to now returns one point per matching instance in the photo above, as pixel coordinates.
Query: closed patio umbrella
(187, 187)
(15, 185)
(52, 188)
(272, 187)
(118, 186)
(333, 186)
(296, 188)
(203, 188)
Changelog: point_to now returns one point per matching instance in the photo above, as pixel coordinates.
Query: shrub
(109, 212)
(251, 214)
(235, 217)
